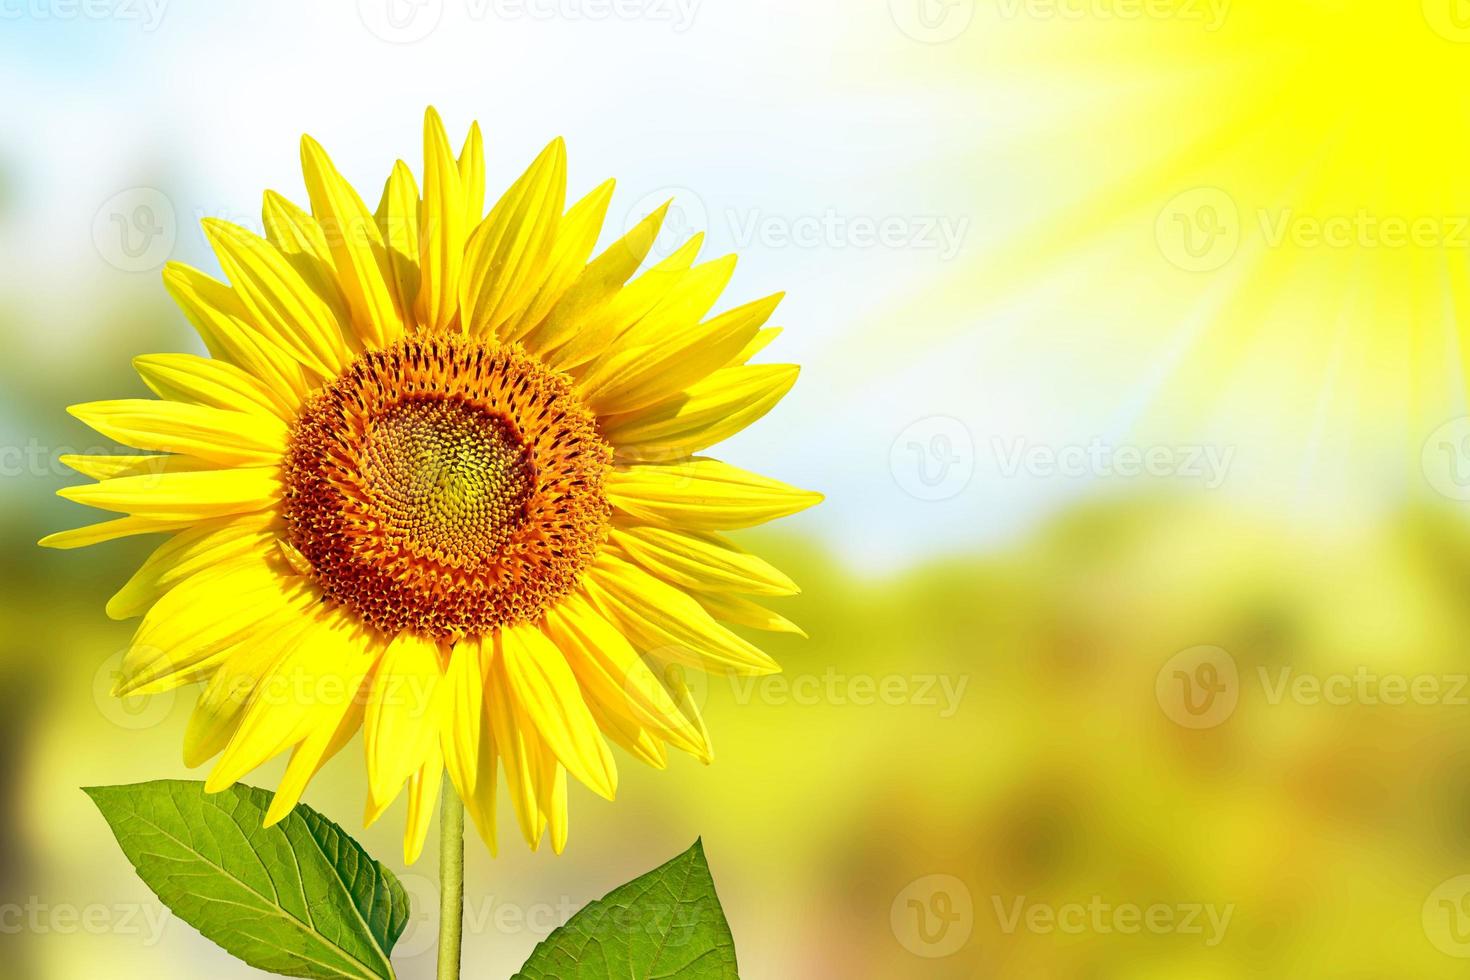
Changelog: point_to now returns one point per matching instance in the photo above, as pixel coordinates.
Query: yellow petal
(547, 691)
(183, 496)
(596, 285)
(703, 494)
(336, 723)
(304, 244)
(683, 358)
(736, 609)
(464, 708)
(423, 794)
(221, 320)
(398, 221)
(615, 678)
(109, 466)
(707, 412)
(516, 744)
(600, 327)
(121, 527)
(576, 236)
(677, 685)
(481, 804)
(236, 672)
(280, 302)
(442, 229)
(639, 742)
(553, 798)
(705, 562)
(676, 315)
(218, 435)
(403, 713)
(761, 341)
(472, 176)
(284, 704)
(192, 551)
(207, 381)
(505, 261)
(358, 250)
(202, 617)
(667, 623)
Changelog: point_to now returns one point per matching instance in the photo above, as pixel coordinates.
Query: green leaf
(300, 899)
(667, 924)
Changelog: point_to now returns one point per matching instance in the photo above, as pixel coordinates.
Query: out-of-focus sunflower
(439, 481)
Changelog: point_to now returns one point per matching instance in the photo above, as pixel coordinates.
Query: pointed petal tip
(56, 540)
(215, 783)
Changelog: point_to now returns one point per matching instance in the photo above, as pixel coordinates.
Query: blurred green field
(997, 720)
(1147, 733)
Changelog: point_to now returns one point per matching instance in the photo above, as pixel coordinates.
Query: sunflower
(439, 481)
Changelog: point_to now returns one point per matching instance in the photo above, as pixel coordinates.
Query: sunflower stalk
(451, 881)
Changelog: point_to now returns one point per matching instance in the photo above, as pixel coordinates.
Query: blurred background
(1134, 375)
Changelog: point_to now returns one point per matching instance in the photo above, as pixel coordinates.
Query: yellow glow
(1258, 211)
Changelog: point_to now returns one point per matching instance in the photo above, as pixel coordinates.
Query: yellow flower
(438, 481)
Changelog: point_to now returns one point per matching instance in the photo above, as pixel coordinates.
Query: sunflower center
(446, 487)
(451, 479)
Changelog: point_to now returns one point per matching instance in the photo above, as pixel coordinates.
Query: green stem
(451, 881)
